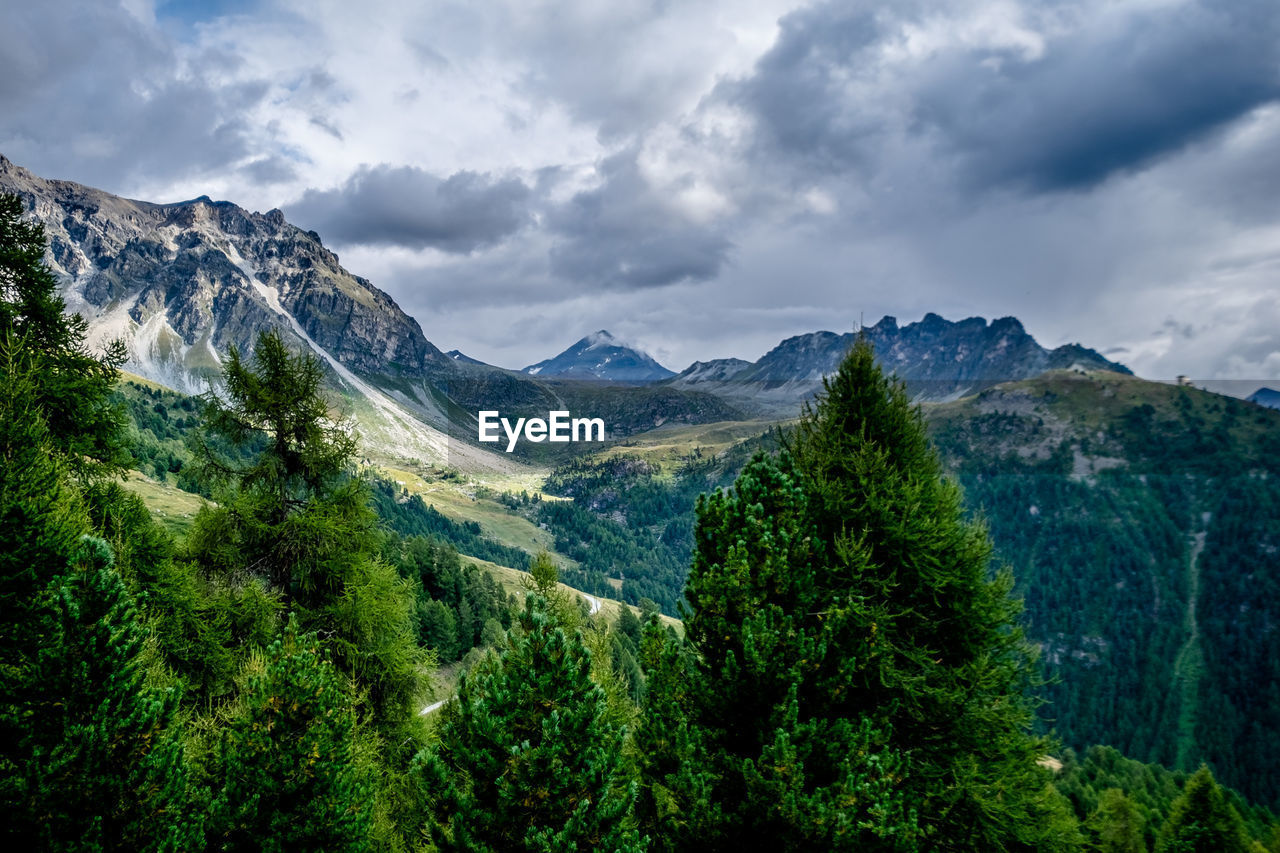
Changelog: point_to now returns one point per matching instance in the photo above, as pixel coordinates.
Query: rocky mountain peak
(601, 356)
(181, 282)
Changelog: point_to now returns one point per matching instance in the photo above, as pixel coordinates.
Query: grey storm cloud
(1107, 99)
(622, 234)
(88, 90)
(1115, 93)
(406, 206)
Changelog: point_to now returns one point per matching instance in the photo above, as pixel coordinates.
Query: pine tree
(40, 516)
(71, 387)
(859, 680)
(526, 758)
(1116, 825)
(773, 756)
(100, 765)
(289, 781)
(1202, 821)
(90, 756)
(544, 581)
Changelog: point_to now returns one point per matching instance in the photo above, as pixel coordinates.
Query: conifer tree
(72, 387)
(544, 581)
(772, 753)
(289, 781)
(297, 516)
(1201, 820)
(526, 758)
(859, 680)
(40, 516)
(1116, 825)
(100, 765)
(90, 756)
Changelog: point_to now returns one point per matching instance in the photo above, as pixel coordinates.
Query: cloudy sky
(706, 177)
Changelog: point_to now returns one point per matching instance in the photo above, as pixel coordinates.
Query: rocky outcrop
(183, 282)
(939, 360)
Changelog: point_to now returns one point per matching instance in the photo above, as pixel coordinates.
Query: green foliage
(41, 519)
(288, 777)
(1202, 821)
(99, 764)
(455, 600)
(942, 666)
(178, 605)
(777, 751)
(858, 681)
(297, 519)
(71, 387)
(277, 395)
(1116, 825)
(410, 516)
(632, 519)
(544, 581)
(527, 759)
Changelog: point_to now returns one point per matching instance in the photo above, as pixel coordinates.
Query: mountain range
(183, 282)
(1268, 397)
(940, 360)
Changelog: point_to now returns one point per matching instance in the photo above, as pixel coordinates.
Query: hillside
(1139, 519)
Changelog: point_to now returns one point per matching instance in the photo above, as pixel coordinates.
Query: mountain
(181, 283)
(1268, 397)
(459, 356)
(602, 357)
(939, 359)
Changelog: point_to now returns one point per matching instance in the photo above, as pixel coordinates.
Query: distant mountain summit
(462, 358)
(939, 359)
(1268, 397)
(602, 357)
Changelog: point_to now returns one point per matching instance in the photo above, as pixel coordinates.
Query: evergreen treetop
(527, 759)
(860, 680)
(71, 386)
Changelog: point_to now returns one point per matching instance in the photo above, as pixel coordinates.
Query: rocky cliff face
(182, 282)
(939, 360)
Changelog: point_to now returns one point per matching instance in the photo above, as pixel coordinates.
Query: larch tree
(1116, 825)
(296, 516)
(72, 387)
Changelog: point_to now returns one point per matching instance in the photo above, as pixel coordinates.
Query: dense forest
(1199, 479)
(852, 674)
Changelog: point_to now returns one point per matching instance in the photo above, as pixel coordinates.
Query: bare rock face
(183, 282)
(938, 359)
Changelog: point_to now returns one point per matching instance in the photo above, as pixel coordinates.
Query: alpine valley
(1141, 519)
